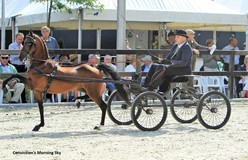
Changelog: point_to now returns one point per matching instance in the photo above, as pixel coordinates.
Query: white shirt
(129, 68)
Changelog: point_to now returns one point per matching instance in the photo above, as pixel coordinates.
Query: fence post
(231, 78)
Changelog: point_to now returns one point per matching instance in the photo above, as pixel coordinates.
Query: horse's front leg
(39, 99)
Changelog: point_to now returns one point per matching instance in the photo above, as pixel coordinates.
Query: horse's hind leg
(103, 107)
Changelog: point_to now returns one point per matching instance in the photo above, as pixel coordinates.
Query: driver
(178, 62)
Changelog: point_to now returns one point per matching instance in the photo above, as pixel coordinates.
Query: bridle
(30, 44)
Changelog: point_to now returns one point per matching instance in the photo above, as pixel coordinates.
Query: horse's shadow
(120, 131)
(57, 135)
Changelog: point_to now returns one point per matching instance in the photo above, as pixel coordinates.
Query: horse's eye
(30, 44)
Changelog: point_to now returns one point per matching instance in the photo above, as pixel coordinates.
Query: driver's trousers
(160, 76)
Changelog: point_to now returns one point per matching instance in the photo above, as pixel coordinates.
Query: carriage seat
(180, 81)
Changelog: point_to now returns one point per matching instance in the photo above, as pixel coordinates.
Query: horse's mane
(43, 43)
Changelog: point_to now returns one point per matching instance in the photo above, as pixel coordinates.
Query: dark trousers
(226, 67)
(236, 80)
(158, 76)
(21, 68)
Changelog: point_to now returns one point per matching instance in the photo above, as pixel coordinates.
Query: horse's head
(33, 48)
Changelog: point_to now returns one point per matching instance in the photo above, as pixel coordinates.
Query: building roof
(140, 14)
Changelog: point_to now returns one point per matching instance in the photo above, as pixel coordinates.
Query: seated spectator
(5, 67)
(73, 58)
(242, 87)
(64, 60)
(210, 61)
(93, 60)
(132, 66)
(109, 85)
(147, 60)
(14, 59)
(108, 60)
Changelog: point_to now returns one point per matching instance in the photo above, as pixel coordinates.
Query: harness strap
(50, 79)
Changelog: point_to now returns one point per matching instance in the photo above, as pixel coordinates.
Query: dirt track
(69, 134)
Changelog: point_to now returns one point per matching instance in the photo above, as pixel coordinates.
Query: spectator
(232, 46)
(65, 61)
(210, 61)
(93, 60)
(147, 60)
(109, 85)
(51, 43)
(195, 46)
(128, 56)
(6, 67)
(127, 44)
(14, 59)
(242, 57)
(132, 66)
(73, 58)
(169, 42)
(243, 82)
(108, 60)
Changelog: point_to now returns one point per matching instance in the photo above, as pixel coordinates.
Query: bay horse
(43, 72)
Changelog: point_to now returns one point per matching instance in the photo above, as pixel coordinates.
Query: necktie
(176, 50)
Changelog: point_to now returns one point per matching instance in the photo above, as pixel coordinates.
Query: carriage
(148, 109)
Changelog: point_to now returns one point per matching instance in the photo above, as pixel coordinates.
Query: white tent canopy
(140, 14)
(238, 5)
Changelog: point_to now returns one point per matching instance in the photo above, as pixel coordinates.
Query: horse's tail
(114, 75)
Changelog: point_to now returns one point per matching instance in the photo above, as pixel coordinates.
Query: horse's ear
(31, 32)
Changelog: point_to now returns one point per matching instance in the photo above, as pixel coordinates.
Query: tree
(58, 5)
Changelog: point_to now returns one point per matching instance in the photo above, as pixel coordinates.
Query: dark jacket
(181, 62)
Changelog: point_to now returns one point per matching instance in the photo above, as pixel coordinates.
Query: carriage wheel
(183, 107)
(153, 111)
(214, 110)
(118, 111)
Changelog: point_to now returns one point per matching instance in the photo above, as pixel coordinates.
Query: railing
(140, 53)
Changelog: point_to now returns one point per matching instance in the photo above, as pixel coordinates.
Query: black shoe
(12, 102)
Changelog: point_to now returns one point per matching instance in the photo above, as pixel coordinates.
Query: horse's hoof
(97, 127)
(36, 128)
(78, 104)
